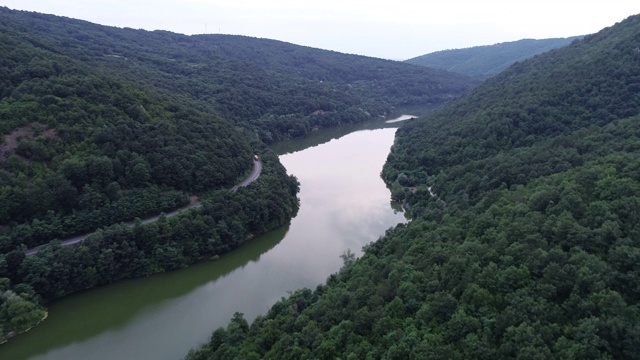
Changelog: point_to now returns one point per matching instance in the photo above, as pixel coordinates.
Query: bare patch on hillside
(10, 141)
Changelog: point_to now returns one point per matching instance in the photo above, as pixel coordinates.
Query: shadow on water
(162, 316)
(75, 317)
(322, 136)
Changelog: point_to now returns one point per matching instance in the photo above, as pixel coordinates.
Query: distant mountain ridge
(485, 61)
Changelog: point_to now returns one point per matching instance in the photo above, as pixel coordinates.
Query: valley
(344, 205)
(521, 181)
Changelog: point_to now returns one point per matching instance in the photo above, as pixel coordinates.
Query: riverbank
(7, 337)
(343, 205)
(223, 222)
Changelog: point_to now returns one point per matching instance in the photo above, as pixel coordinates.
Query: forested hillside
(485, 61)
(101, 125)
(80, 150)
(279, 90)
(525, 241)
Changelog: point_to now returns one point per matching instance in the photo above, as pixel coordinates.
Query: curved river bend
(343, 205)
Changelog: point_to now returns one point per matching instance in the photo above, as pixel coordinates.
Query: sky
(392, 29)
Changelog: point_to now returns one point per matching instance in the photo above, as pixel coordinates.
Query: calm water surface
(344, 205)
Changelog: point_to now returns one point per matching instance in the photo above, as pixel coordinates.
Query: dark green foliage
(83, 150)
(225, 220)
(276, 89)
(19, 308)
(87, 143)
(523, 123)
(525, 237)
(485, 61)
(95, 118)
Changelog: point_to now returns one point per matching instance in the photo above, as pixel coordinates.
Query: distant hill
(524, 239)
(485, 61)
(278, 89)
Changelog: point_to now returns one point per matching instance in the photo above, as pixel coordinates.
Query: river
(343, 205)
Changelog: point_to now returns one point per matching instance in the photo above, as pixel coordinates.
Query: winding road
(257, 169)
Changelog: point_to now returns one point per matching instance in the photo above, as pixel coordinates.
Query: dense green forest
(276, 89)
(102, 125)
(81, 150)
(525, 238)
(485, 61)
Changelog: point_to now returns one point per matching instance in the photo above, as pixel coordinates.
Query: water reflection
(325, 135)
(344, 204)
(108, 309)
(400, 118)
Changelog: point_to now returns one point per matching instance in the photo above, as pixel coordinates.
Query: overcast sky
(394, 29)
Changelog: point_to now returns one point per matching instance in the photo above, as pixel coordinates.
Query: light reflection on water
(344, 205)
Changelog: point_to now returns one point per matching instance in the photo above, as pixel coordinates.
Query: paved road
(257, 169)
